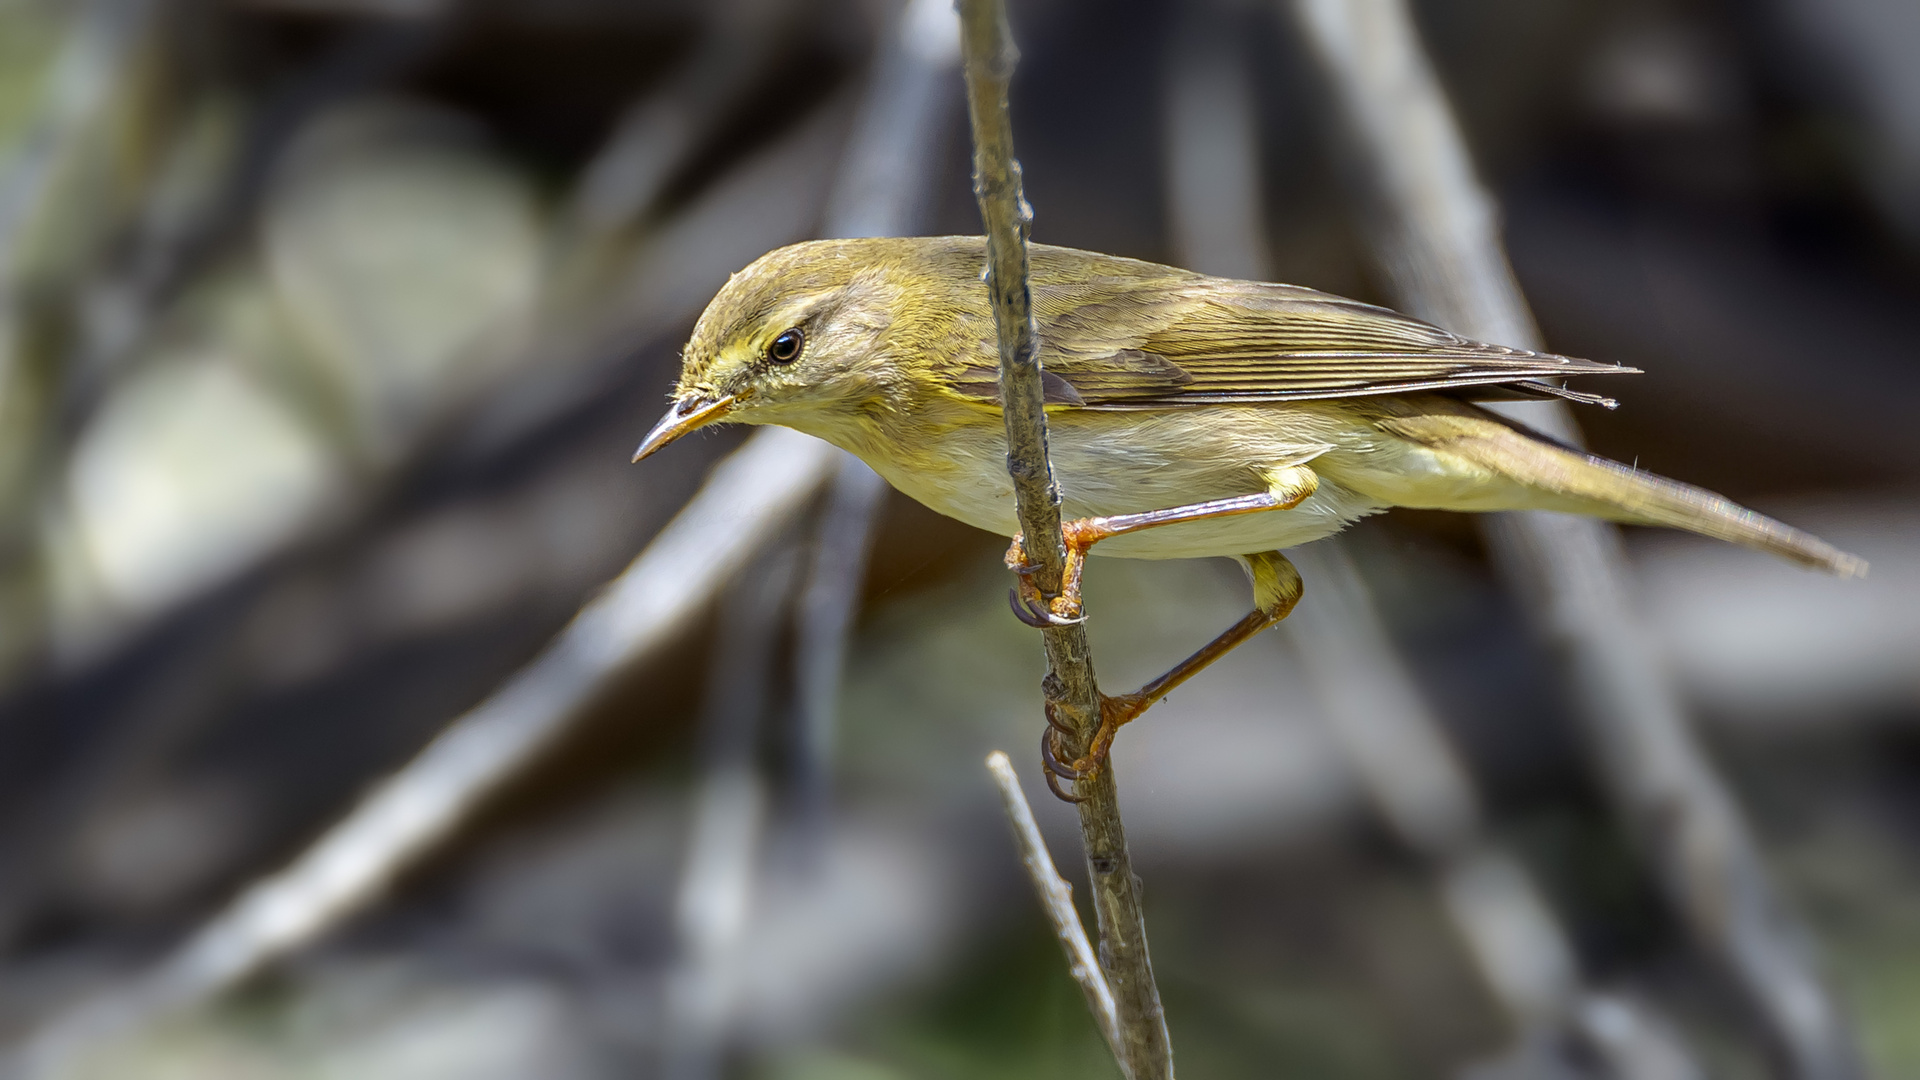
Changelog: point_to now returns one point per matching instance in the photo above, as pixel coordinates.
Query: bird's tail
(1547, 475)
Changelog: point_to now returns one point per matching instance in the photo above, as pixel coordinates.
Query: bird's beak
(686, 415)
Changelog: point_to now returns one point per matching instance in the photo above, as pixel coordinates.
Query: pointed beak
(687, 414)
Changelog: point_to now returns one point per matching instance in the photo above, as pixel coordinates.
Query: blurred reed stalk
(1056, 899)
(1072, 697)
(658, 131)
(717, 887)
(1382, 721)
(1436, 234)
(883, 189)
(203, 194)
(751, 498)
(1424, 795)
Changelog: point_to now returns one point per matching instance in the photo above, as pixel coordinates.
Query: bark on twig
(1072, 695)
(1056, 897)
(1437, 232)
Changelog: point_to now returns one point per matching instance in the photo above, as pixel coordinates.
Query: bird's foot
(1115, 711)
(1036, 608)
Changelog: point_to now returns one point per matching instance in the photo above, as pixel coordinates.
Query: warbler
(1187, 415)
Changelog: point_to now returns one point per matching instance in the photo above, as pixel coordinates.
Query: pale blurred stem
(827, 608)
(1435, 229)
(989, 56)
(1056, 898)
(880, 191)
(750, 500)
(718, 882)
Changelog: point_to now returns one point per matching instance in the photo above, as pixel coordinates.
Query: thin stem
(1056, 897)
(1072, 694)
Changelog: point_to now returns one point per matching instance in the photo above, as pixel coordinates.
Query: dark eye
(786, 348)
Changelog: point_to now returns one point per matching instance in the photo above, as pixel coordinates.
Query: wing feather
(1123, 334)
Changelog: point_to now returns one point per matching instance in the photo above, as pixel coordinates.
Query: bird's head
(799, 338)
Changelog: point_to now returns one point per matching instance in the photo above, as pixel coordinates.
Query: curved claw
(1038, 618)
(1055, 722)
(1051, 759)
(1053, 785)
(1024, 613)
(1054, 772)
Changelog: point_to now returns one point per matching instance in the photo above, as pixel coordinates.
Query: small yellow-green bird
(1188, 415)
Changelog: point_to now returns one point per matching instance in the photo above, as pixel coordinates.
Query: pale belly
(1164, 460)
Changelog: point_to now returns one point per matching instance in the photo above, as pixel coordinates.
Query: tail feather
(1565, 478)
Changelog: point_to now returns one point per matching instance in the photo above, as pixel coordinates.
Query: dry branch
(1437, 233)
(1072, 695)
(750, 498)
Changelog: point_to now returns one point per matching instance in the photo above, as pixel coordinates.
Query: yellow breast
(952, 458)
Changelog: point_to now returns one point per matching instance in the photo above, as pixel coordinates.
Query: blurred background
(327, 328)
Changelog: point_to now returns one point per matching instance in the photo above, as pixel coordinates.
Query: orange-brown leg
(1288, 488)
(1276, 589)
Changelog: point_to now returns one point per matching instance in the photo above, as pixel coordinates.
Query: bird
(1188, 416)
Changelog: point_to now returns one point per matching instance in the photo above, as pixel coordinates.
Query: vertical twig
(90, 69)
(1438, 238)
(1072, 695)
(882, 190)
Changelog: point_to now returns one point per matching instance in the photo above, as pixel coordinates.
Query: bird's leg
(1288, 487)
(1276, 589)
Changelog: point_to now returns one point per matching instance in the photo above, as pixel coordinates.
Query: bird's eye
(785, 349)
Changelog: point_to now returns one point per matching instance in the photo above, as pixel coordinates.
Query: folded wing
(1150, 337)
